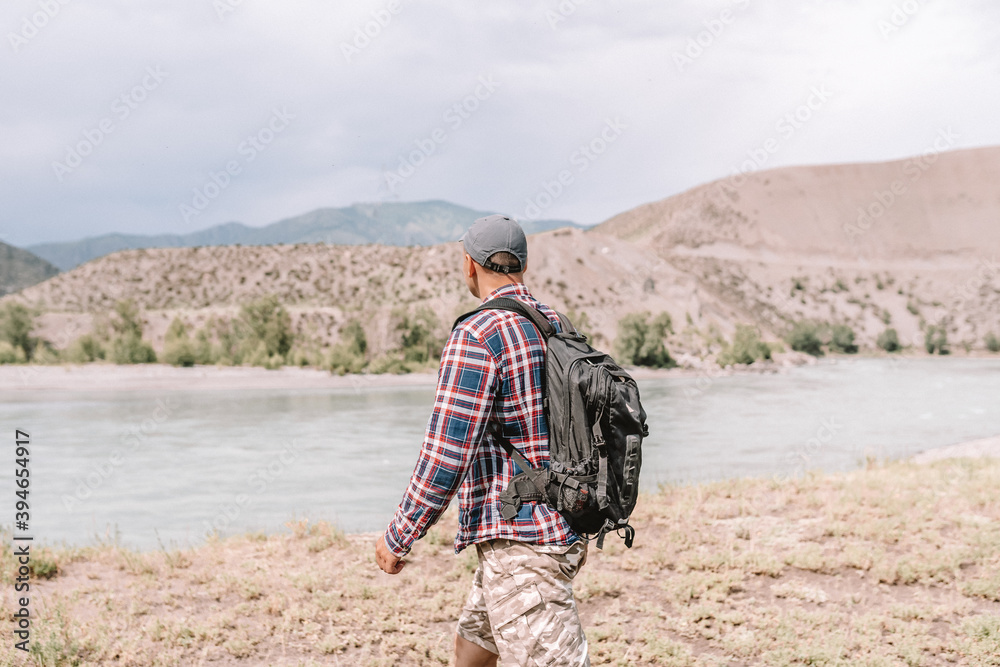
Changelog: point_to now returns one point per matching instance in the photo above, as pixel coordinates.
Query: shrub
(261, 335)
(10, 354)
(804, 337)
(842, 339)
(178, 350)
(127, 345)
(746, 347)
(267, 321)
(936, 340)
(418, 342)
(348, 355)
(888, 340)
(85, 349)
(16, 325)
(992, 342)
(640, 342)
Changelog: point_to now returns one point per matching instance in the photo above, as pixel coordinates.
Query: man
(491, 385)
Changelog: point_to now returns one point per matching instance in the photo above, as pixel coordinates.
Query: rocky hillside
(20, 268)
(392, 223)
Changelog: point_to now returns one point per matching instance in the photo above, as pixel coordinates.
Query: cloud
(367, 82)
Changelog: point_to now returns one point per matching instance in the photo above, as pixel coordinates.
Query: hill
(771, 249)
(399, 224)
(904, 243)
(20, 268)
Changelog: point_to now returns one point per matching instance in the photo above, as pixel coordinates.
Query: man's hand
(385, 559)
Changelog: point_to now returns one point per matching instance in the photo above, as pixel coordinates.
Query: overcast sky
(124, 116)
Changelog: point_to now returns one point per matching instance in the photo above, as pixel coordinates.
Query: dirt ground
(893, 565)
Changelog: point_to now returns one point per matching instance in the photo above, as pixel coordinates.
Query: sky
(169, 116)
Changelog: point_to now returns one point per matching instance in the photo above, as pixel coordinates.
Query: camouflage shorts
(521, 605)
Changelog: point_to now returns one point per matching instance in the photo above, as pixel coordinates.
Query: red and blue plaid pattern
(491, 376)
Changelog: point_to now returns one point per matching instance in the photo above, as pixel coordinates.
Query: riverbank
(101, 376)
(889, 565)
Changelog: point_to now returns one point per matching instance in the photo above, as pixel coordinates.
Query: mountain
(20, 269)
(398, 224)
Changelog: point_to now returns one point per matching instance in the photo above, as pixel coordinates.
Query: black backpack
(596, 426)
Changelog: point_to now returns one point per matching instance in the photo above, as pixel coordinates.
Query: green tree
(746, 348)
(888, 340)
(17, 323)
(992, 342)
(842, 339)
(805, 337)
(640, 341)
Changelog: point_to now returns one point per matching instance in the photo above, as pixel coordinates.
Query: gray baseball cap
(492, 234)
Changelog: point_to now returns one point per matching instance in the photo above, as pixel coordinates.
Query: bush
(266, 321)
(132, 350)
(261, 335)
(85, 349)
(348, 355)
(640, 342)
(746, 347)
(842, 339)
(127, 345)
(936, 340)
(16, 325)
(888, 340)
(178, 350)
(10, 354)
(418, 342)
(804, 337)
(992, 342)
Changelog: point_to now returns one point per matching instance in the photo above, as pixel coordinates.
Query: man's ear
(468, 266)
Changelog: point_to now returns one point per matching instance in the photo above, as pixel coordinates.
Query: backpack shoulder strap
(503, 303)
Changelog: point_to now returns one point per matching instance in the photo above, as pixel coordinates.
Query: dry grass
(896, 565)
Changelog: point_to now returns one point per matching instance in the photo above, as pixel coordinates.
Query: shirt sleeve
(467, 383)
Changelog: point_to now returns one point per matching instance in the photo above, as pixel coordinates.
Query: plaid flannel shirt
(491, 375)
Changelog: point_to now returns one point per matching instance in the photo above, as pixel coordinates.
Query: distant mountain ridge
(397, 224)
(20, 268)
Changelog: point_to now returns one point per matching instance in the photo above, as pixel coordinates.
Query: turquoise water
(167, 467)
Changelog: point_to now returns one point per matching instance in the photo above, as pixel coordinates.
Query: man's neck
(487, 287)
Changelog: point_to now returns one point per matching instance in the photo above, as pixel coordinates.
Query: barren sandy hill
(902, 244)
(947, 203)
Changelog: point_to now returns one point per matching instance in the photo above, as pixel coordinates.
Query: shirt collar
(509, 290)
